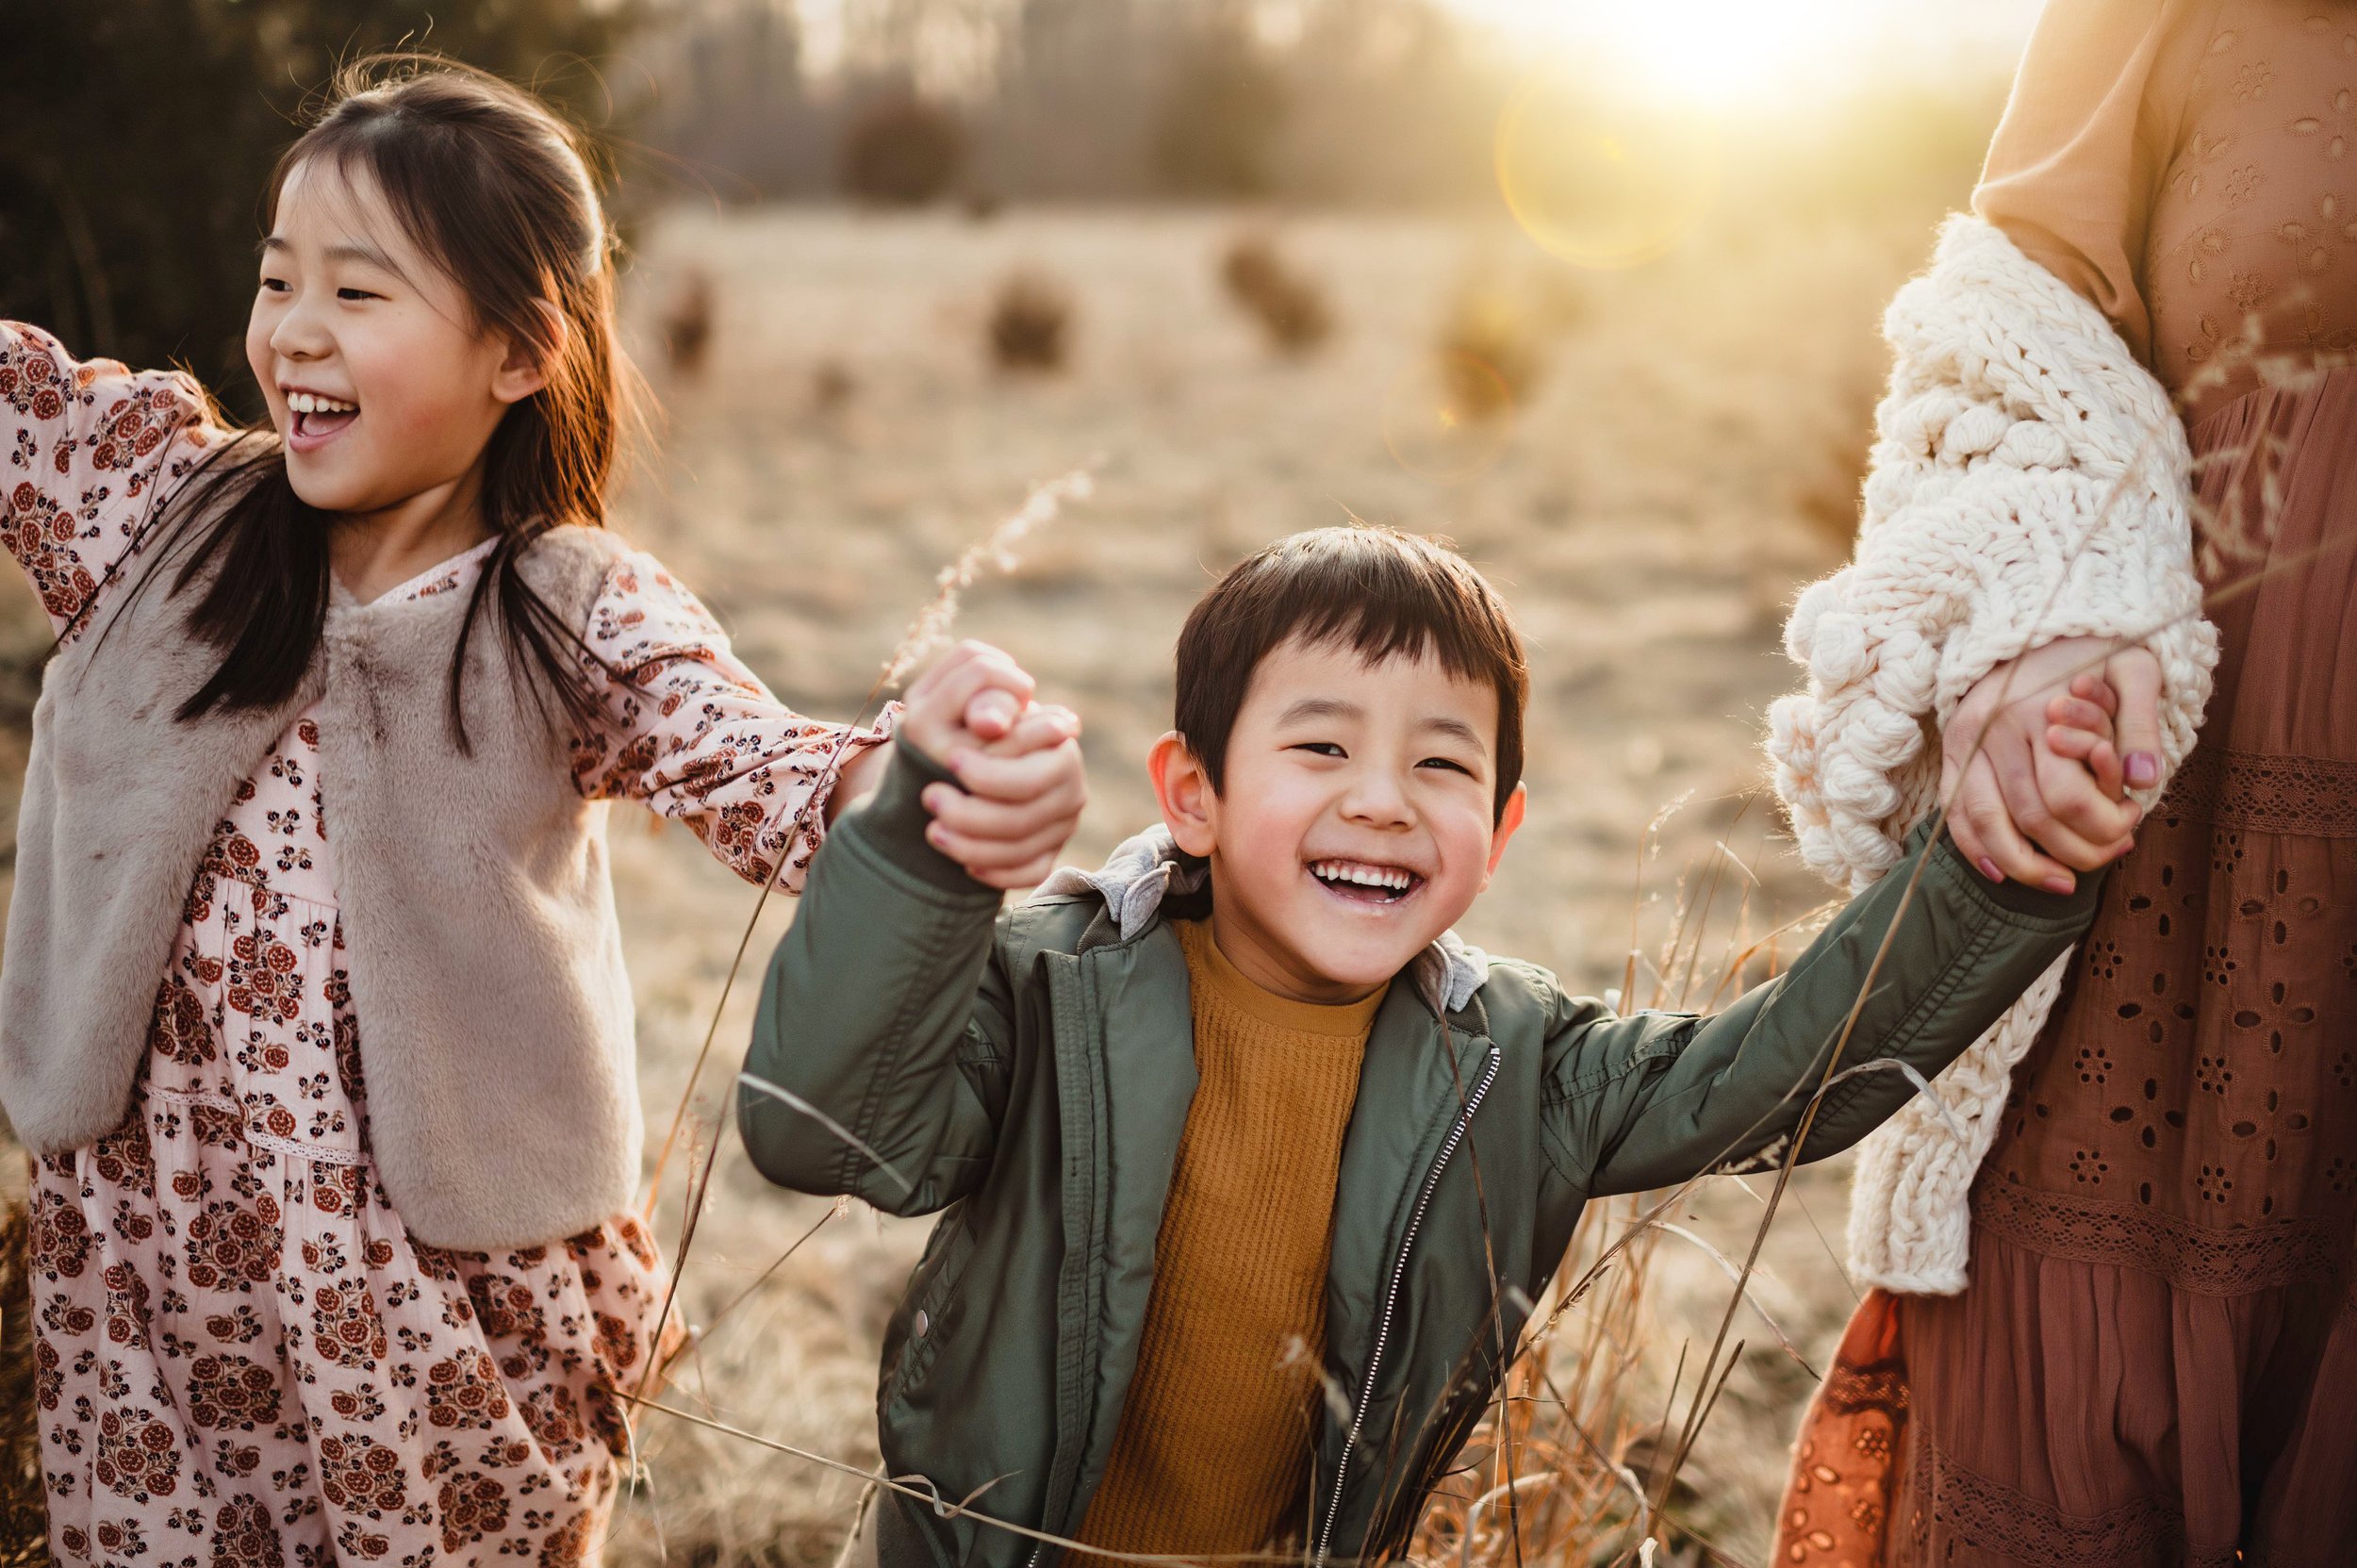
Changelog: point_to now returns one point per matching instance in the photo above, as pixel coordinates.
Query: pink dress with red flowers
(241, 1357)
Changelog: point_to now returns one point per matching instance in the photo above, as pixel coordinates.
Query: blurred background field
(1598, 304)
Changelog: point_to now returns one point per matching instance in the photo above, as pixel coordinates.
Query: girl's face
(377, 377)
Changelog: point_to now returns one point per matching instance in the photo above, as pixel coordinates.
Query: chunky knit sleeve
(2027, 483)
(2087, 136)
(85, 446)
(695, 735)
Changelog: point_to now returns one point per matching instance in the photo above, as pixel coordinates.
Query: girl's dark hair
(498, 191)
(1374, 590)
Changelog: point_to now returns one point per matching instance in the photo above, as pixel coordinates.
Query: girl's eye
(275, 285)
(355, 294)
(1323, 748)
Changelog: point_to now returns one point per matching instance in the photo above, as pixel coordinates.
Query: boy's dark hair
(1373, 589)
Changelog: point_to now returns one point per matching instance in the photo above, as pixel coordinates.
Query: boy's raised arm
(1649, 1100)
(884, 1011)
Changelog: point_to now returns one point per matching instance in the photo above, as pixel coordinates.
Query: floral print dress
(241, 1357)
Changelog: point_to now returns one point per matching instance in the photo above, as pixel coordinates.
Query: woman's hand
(2020, 807)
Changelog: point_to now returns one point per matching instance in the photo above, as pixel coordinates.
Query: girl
(332, 1253)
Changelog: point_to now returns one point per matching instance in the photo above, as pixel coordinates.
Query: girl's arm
(696, 737)
(89, 449)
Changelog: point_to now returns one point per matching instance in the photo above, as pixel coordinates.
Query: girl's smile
(318, 417)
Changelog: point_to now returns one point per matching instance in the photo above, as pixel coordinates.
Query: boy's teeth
(1364, 876)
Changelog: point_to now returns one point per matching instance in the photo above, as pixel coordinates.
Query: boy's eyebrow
(1320, 708)
(1458, 729)
(1334, 708)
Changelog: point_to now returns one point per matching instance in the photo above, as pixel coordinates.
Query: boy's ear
(1189, 805)
(1508, 820)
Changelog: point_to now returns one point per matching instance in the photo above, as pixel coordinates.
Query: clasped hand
(2037, 759)
(1020, 784)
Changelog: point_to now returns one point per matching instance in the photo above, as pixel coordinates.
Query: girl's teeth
(310, 403)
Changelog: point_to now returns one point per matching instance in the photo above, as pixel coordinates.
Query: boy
(1252, 1169)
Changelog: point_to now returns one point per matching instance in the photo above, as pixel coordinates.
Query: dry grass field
(1649, 506)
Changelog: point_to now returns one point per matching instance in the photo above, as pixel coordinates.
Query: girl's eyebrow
(348, 250)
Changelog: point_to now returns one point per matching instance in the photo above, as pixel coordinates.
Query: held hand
(2036, 758)
(1021, 797)
(975, 693)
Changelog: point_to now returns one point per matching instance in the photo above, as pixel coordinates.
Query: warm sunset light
(1743, 54)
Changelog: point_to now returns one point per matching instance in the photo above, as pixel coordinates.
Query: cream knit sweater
(2028, 482)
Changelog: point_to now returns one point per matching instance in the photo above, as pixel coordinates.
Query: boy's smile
(1356, 819)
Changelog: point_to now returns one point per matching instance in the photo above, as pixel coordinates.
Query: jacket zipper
(1391, 1300)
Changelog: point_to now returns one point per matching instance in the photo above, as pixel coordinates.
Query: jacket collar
(1149, 865)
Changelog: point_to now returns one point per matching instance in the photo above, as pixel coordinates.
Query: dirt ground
(1649, 507)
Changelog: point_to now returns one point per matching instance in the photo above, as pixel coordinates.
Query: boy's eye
(275, 285)
(1447, 763)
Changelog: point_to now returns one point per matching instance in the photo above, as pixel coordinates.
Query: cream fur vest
(486, 969)
(2029, 482)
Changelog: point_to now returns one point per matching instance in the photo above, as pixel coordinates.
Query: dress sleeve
(89, 443)
(2087, 139)
(695, 735)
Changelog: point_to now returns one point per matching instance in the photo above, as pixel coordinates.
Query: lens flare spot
(1604, 181)
(1448, 417)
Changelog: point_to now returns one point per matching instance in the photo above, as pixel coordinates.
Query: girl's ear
(524, 369)
(1190, 804)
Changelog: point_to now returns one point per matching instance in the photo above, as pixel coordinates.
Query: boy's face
(1357, 820)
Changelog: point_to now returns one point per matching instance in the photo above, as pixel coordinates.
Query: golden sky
(1729, 52)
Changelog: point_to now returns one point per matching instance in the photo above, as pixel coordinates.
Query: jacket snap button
(923, 1323)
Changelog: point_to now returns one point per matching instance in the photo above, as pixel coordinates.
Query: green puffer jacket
(1027, 1073)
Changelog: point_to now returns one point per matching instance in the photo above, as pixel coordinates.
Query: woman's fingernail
(2059, 884)
(1989, 869)
(934, 796)
(2144, 769)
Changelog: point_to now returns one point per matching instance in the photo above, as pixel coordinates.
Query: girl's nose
(300, 334)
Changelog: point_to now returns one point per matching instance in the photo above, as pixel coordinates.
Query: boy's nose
(1377, 798)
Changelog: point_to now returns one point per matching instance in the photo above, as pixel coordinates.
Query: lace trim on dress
(2205, 1260)
(1970, 1509)
(2260, 792)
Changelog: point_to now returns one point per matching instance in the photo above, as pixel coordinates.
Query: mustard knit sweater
(1213, 1448)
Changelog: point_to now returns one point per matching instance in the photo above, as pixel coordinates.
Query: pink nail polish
(2059, 884)
(1989, 869)
(2144, 769)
